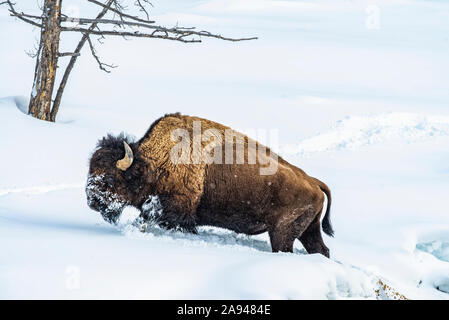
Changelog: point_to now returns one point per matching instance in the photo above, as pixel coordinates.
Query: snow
(365, 110)
(357, 131)
(437, 248)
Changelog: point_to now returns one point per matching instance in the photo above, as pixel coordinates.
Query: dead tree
(52, 23)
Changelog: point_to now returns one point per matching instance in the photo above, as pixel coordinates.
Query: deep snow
(365, 110)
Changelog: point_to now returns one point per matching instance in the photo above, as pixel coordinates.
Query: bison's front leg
(141, 222)
(178, 212)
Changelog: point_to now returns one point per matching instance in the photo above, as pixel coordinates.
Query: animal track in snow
(41, 189)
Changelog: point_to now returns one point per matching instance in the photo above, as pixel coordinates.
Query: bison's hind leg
(288, 228)
(312, 240)
(306, 228)
(282, 239)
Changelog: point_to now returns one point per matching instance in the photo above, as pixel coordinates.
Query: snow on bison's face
(106, 184)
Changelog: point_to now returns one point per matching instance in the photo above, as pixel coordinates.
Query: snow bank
(357, 131)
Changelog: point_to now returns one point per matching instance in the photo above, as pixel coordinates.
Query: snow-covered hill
(364, 109)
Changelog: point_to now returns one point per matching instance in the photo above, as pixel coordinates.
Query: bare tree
(52, 22)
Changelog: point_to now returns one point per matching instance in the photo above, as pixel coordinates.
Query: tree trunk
(46, 61)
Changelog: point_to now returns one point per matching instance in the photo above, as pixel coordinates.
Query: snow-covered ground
(359, 102)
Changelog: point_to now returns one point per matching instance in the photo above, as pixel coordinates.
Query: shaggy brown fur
(287, 204)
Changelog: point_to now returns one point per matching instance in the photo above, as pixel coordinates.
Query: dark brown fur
(287, 204)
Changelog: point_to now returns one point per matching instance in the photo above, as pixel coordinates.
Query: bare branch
(120, 13)
(175, 33)
(101, 65)
(35, 53)
(142, 8)
(69, 54)
(131, 34)
(22, 16)
(25, 15)
(175, 30)
(218, 36)
(31, 54)
(165, 33)
(82, 21)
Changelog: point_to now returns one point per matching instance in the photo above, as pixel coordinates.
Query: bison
(181, 189)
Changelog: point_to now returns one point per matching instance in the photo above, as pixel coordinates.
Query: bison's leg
(178, 212)
(282, 239)
(312, 240)
(283, 236)
(284, 230)
(289, 225)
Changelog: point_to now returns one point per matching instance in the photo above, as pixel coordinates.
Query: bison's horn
(127, 161)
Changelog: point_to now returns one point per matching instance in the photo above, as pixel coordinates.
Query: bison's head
(108, 184)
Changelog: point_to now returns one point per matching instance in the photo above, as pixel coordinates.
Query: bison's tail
(326, 224)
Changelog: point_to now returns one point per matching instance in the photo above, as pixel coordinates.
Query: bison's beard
(111, 217)
(102, 200)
